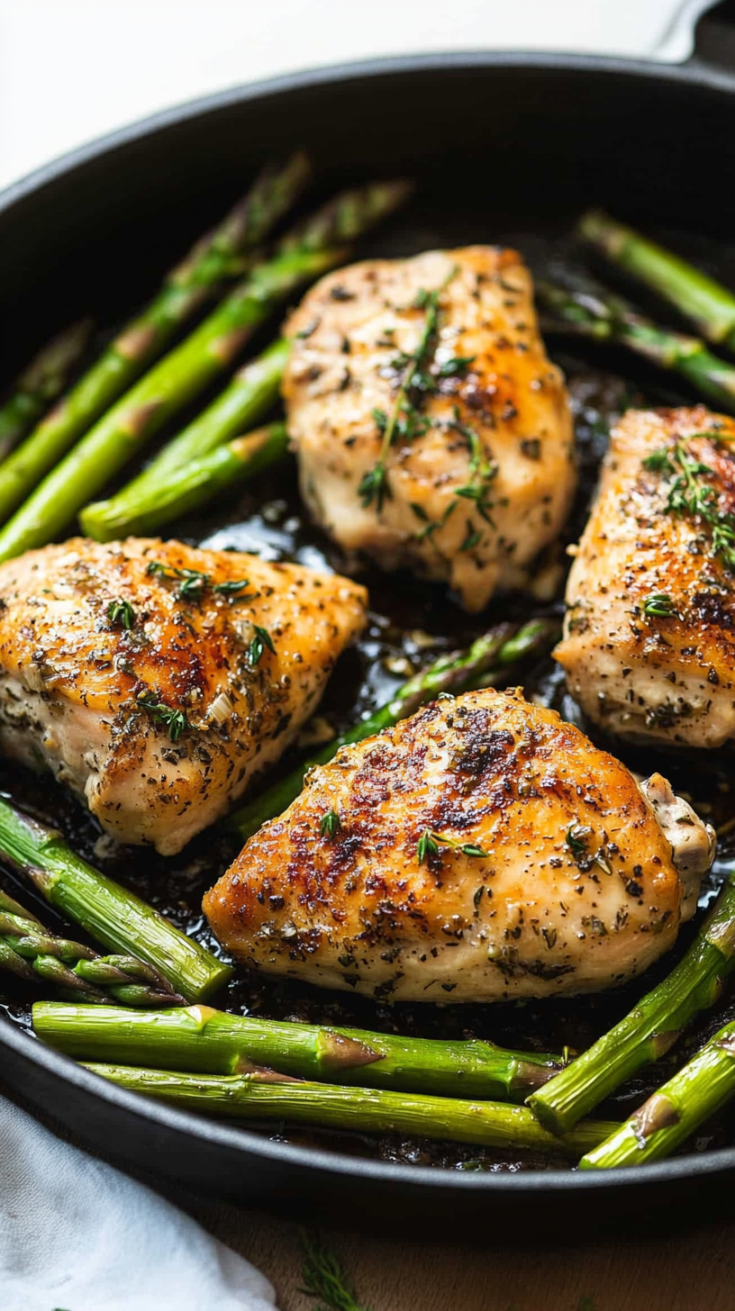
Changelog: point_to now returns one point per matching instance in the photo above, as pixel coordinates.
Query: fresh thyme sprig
(690, 494)
(430, 841)
(405, 419)
(482, 472)
(192, 584)
(167, 717)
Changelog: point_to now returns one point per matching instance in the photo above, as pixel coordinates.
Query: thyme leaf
(576, 838)
(330, 824)
(430, 841)
(261, 640)
(659, 605)
(192, 583)
(121, 614)
(164, 716)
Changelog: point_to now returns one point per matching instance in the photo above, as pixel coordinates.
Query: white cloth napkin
(78, 1235)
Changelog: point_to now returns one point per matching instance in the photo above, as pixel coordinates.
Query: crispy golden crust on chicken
(649, 639)
(495, 419)
(156, 679)
(481, 850)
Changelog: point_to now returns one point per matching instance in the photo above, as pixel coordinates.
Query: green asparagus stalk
(600, 316)
(650, 1029)
(676, 1111)
(216, 259)
(174, 478)
(698, 297)
(180, 376)
(263, 1095)
(499, 648)
(28, 950)
(189, 488)
(205, 1041)
(108, 912)
(40, 384)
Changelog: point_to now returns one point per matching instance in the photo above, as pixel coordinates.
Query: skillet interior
(505, 150)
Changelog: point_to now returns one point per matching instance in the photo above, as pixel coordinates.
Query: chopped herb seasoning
(690, 494)
(164, 716)
(405, 419)
(330, 824)
(192, 583)
(576, 838)
(232, 587)
(659, 606)
(261, 640)
(472, 539)
(121, 614)
(430, 841)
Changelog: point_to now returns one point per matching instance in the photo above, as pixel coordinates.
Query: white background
(73, 69)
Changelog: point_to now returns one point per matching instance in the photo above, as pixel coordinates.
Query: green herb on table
(324, 1278)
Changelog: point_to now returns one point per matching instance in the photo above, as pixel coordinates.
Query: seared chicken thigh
(430, 428)
(480, 850)
(156, 679)
(649, 640)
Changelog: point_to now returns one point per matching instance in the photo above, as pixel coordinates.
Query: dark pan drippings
(410, 625)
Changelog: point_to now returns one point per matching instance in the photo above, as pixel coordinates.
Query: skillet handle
(714, 38)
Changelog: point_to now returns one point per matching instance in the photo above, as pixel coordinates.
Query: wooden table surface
(695, 1272)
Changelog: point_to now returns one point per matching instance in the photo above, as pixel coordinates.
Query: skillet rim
(694, 72)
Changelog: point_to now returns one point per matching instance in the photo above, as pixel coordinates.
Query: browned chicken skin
(142, 673)
(481, 481)
(649, 641)
(480, 850)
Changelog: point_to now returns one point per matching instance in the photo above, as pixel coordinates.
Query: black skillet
(501, 144)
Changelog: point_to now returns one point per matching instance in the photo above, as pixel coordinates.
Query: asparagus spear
(700, 298)
(488, 656)
(189, 488)
(111, 914)
(30, 951)
(673, 1113)
(599, 315)
(43, 380)
(217, 258)
(262, 1095)
(651, 1028)
(202, 1040)
(198, 361)
(252, 392)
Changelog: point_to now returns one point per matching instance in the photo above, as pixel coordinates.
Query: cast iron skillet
(523, 141)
